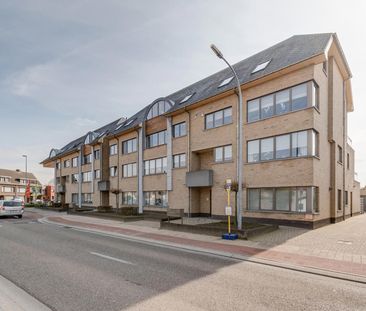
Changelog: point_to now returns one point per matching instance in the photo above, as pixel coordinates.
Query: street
(67, 269)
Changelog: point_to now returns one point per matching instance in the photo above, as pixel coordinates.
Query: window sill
(340, 163)
(146, 148)
(280, 212)
(217, 127)
(223, 162)
(129, 177)
(174, 138)
(155, 174)
(283, 159)
(181, 167)
(128, 153)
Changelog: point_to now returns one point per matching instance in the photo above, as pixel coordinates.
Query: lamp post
(26, 174)
(239, 136)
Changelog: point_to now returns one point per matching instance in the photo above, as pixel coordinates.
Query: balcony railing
(103, 185)
(202, 178)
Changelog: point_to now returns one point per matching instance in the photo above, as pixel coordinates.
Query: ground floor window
(129, 198)
(156, 198)
(75, 198)
(285, 199)
(86, 198)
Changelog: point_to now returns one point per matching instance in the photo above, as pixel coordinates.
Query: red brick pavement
(280, 257)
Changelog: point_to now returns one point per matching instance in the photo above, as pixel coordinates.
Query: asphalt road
(72, 270)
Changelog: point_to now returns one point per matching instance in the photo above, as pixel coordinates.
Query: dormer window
(261, 66)
(186, 98)
(226, 82)
(158, 109)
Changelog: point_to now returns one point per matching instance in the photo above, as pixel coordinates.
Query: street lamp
(239, 136)
(26, 173)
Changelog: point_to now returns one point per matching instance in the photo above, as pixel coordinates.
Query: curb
(273, 263)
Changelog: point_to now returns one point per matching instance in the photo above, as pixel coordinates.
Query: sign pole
(228, 213)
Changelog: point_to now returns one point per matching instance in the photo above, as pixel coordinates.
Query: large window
(179, 129)
(158, 109)
(86, 176)
(218, 118)
(74, 162)
(75, 198)
(291, 99)
(156, 166)
(222, 154)
(294, 199)
(113, 149)
(129, 170)
(129, 198)
(67, 163)
(293, 145)
(96, 174)
(179, 160)
(156, 198)
(156, 139)
(129, 146)
(113, 171)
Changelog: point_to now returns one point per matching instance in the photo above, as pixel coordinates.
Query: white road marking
(112, 258)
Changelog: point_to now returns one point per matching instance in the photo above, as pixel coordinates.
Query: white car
(11, 208)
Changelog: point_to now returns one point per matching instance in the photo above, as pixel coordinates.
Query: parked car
(12, 208)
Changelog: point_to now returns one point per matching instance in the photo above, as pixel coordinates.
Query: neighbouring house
(363, 199)
(178, 151)
(49, 193)
(13, 184)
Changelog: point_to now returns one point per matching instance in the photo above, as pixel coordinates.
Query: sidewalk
(339, 248)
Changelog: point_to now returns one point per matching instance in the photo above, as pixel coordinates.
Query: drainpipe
(344, 148)
(79, 181)
(140, 133)
(189, 161)
(169, 183)
(92, 169)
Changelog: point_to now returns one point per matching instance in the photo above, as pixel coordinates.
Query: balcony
(103, 185)
(201, 178)
(60, 188)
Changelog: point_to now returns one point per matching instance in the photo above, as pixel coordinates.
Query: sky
(67, 67)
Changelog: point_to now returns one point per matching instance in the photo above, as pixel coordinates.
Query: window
(113, 171)
(346, 198)
(113, 149)
(253, 151)
(253, 199)
(67, 163)
(348, 161)
(8, 189)
(86, 198)
(267, 106)
(97, 154)
(283, 149)
(186, 98)
(158, 109)
(179, 129)
(21, 190)
(156, 139)
(222, 154)
(129, 146)
(87, 159)
(291, 99)
(299, 97)
(340, 154)
(96, 174)
(74, 178)
(218, 118)
(75, 198)
(253, 110)
(283, 101)
(299, 144)
(58, 165)
(267, 149)
(339, 200)
(156, 198)
(261, 66)
(156, 166)
(74, 162)
(86, 176)
(129, 198)
(286, 199)
(179, 160)
(226, 81)
(129, 170)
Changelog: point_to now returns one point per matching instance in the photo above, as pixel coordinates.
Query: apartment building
(178, 151)
(13, 184)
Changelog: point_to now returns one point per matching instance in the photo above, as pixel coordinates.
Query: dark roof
(14, 174)
(286, 53)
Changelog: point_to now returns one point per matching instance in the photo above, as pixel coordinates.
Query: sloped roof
(14, 174)
(289, 52)
(286, 53)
